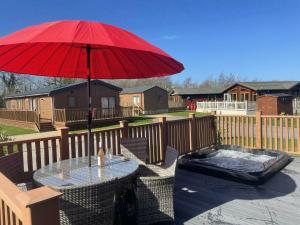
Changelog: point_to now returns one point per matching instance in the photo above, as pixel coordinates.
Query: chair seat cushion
(153, 171)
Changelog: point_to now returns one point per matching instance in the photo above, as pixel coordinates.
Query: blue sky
(255, 39)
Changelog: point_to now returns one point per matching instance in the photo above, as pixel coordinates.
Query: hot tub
(253, 166)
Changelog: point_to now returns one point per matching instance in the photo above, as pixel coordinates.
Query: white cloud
(169, 37)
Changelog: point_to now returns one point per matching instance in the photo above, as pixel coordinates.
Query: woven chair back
(136, 148)
(171, 159)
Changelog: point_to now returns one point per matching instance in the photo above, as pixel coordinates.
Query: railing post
(215, 127)
(192, 131)
(163, 137)
(124, 128)
(41, 206)
(258, 130)
(65, 115)
(64, 143)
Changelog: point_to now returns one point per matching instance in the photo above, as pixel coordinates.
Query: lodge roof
(141, 89)
(267, 85)
(255, 85)
(277, 95)
(55, 89)
(196, 91)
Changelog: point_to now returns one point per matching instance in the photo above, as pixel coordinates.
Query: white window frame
(134, 98)
(104, 102)
(111, 102)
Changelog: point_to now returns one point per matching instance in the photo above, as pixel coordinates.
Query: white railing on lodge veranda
(226, 105)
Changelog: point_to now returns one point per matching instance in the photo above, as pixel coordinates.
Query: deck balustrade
(224, 105)
(19, 159)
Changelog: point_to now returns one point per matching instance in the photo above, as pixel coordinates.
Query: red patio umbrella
(83, 49)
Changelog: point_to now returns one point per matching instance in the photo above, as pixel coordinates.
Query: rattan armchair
(155, 183)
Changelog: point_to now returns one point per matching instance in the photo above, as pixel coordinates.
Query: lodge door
(45, 108)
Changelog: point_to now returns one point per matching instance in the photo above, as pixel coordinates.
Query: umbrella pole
(89, 124)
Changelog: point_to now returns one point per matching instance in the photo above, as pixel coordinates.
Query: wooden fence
(35, 207)
(261, 131)
(19, 159)
(27, 116)
(76, 115)
(185, 135)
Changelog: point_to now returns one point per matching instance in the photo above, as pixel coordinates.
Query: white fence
(296, 105)
(227, 107)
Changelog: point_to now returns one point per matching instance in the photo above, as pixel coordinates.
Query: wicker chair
(135, 148)
(88, 205)
(155, 183)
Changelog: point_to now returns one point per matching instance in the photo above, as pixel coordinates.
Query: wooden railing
(17, 207)
(223, 105)
(185, 135)
(268, 132)
(19, 159)
(27, 116)
(35, 207)
(76, 115)
(179, 104)
(153, 132)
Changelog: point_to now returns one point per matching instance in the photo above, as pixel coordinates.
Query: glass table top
(73, 173)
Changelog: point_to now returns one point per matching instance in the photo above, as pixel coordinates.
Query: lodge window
(136, 100)
(19, 104)
(242, 97)
(108, 102)
(227, 97)
(32, 104)
(247, 96)
(71, 102)
(254, 97)
(234, 97)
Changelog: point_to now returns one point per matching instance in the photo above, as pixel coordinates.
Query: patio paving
(202, 199)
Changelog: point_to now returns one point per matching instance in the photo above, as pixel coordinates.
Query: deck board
(202, 199)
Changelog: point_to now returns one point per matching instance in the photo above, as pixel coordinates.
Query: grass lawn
(186, 113)
(135, 122)
(12, 131)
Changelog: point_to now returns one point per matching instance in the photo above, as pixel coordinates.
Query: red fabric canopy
(58, 49)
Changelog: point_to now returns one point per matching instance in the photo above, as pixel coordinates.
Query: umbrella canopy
(58, 49)
(83, 49)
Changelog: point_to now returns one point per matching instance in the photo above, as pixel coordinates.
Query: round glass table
(89, 193)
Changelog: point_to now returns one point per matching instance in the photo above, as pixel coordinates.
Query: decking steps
(46, 126)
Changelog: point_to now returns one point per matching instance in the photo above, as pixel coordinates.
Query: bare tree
(221, 81)
(57, 81)
(11, 83)
(164, 82)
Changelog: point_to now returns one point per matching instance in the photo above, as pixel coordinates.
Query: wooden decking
(201, 199)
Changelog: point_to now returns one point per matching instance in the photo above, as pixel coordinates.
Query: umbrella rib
(64, 60)
(34, 56)
(43, 31)
(121, 63)
(134, 64)
(13, 46)
(52, 54)
(106, 60)
(22, 52)
(78, 60)
(149, 67)
(76, 32)
(170, 66)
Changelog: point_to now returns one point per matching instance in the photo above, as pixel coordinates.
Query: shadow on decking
(196, 194)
